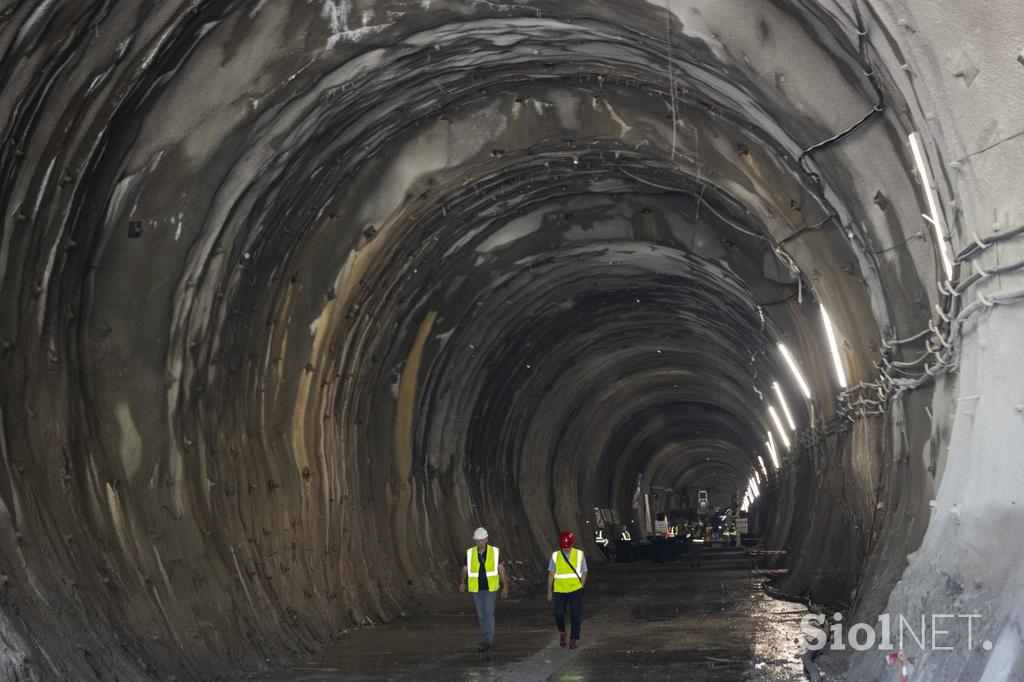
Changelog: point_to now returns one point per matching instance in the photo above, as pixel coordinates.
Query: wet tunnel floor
(640, 621)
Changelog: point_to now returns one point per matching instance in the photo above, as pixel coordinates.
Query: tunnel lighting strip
(757, 476)
(778, 426)
(753, 485)
(933, 207)
(791, 361)
(764, 469)
(785, 406)
(834, 347)
(772, 452)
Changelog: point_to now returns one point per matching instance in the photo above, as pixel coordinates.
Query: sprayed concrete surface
(641, 621)
(294, 295)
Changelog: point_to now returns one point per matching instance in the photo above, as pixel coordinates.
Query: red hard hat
(565, 540)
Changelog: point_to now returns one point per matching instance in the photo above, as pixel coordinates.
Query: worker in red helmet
(567, 575)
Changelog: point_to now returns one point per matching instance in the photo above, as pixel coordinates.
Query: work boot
(484, 646)
(572, 643)
(561, 638)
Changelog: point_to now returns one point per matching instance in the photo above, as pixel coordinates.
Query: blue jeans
(574, 600)
(485, 602)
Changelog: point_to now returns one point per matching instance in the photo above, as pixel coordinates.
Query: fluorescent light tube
(833, 347)
(778, 426)
(933, 205)
(772, 452)
(795, 370)
(785, 407)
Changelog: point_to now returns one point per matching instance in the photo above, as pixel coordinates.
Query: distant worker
(695, 538)
(730, 534)
(567, 575)
(480, 572)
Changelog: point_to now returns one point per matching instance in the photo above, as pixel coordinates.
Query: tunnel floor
(641, 621)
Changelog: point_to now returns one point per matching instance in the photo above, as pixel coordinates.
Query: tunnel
(298, 294)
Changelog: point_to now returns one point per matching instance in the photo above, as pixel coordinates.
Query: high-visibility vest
(565, 579)
(490, 568)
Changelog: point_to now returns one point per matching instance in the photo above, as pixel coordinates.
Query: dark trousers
(574, 600)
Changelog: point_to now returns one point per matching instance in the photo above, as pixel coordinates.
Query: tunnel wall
(963, 467)
(295, 296)
(944, 478)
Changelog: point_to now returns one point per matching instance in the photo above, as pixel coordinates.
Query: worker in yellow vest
(480, 573)
(567, 575)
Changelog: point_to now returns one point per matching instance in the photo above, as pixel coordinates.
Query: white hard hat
(480, 533)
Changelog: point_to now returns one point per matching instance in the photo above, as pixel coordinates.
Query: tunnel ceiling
(291, 284)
